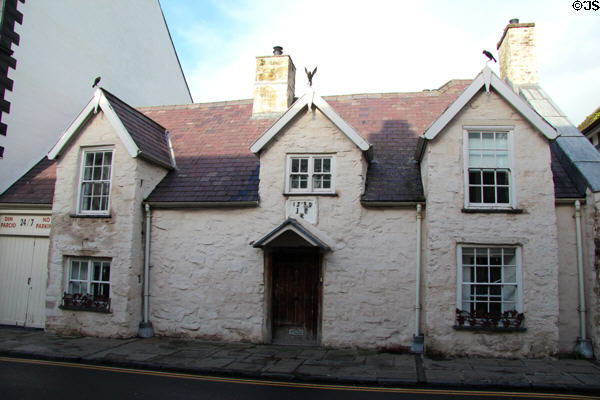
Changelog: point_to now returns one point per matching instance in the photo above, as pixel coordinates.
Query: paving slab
(305, 362)
(285, 366)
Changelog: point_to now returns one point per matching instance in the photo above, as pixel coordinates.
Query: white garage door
(23, 266)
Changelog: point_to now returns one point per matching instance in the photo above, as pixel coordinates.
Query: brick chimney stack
(274, 84)
(516, 51)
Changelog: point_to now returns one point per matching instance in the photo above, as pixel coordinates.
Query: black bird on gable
(489, 55)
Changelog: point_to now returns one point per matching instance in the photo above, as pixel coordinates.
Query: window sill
(311, 194)
(77, 308)
(492, 210)
(90, 216)
(497, 329)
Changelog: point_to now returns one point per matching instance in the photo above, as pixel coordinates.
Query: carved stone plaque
(302, 208)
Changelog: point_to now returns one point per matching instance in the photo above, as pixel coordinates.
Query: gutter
(418, 345)
(20, 207)
(584, 345)
(201, 204)
(145, 328)
(420, 147)
(369, 203)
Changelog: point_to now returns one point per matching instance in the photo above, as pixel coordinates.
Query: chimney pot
(277, 50)
(514, 21)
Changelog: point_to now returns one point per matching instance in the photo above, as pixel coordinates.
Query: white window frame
(90, 274)
(310, 173)
(511, 175)
(518, 272)
(80, 182)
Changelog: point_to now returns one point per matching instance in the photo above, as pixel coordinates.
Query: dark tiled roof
(148, 135)
(564, 188)
(35, 187)
(214, 164)
(392, 123)
(211, 144)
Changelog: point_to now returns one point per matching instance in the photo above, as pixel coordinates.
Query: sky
(380, 46)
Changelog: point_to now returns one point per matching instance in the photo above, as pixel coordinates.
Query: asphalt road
(36, 379)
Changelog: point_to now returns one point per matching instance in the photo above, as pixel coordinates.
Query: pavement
(303, 363)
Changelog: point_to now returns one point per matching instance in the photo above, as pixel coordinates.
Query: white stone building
(458, 219)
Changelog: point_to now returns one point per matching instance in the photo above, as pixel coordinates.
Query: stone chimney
(516, 53)
(274, 84)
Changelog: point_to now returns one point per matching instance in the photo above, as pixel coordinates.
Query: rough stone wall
(274, 84)
(208, 281)
(593, 272)
(118, 237)
(534, 231)
(517, 55)
(568, 283)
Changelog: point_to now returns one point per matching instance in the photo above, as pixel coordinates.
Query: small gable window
(95, 181)
(310, 174)
(488, 169)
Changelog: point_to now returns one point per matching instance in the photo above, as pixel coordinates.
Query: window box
(310, 174)
(508, 321)
(84, 302)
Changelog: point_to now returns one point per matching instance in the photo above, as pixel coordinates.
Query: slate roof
(148, 135)
(35, 187)
(214, 163)
(578, 156)
(211, 144)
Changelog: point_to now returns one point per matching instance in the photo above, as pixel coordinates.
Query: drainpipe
(418, 345)
(145, 329)
(584, 345)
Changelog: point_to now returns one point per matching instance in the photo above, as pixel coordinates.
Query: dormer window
(310, 174)
(488, 180)
(94, 182)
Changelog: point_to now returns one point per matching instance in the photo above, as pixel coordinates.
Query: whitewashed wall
(568, 279)
(208, 281)
(118, 237)
(534, 230)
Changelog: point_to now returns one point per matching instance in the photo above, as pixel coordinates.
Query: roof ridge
(136, 111)
(195, 105)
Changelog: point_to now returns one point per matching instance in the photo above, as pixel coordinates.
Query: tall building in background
(9, 16)
(63, 47)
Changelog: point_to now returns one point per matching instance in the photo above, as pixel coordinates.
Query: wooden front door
(295, 296)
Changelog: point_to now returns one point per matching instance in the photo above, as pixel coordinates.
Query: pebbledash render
(443, 221)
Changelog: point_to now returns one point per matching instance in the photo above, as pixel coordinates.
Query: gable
(488, 80)
(307, 102)
(140, 135)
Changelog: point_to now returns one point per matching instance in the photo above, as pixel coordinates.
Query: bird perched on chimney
(96, 82)
(310, 75)
(489, 55)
